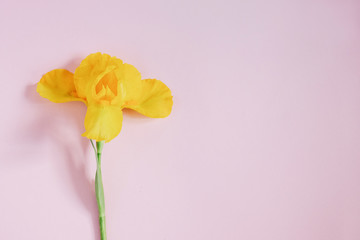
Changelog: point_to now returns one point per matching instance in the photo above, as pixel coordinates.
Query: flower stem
(99, 190)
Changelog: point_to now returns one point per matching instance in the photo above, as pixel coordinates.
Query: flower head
(106, 85)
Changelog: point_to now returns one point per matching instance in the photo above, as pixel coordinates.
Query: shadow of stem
(48, 126)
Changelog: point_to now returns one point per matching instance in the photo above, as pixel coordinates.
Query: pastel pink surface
(262, 143)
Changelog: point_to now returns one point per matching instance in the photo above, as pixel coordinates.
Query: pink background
(262, 143)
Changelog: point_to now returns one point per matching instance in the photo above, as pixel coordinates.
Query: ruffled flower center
(106, 88)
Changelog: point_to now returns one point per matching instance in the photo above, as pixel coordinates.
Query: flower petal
(102, 123)
(58, 86)
(129, 84)
(154, 100)
(90, 70)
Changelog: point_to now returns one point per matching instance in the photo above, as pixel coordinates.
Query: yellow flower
(106, 85)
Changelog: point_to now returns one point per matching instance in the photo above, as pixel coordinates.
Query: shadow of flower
(57, 123)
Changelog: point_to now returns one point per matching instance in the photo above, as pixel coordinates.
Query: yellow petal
(103, 123)
(58, 86)
(154, 100)
(90, 72)
(129, 84)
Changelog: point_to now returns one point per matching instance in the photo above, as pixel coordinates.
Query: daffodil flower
(106, 85)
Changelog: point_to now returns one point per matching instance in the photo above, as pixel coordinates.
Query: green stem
(99, 190)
